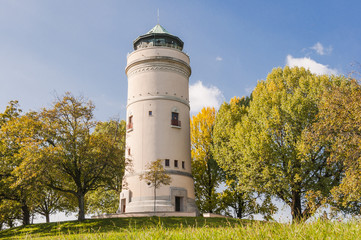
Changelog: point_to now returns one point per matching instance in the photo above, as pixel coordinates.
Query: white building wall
(158, 82)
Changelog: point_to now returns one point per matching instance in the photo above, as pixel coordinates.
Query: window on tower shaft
(167, 162)
(175, 119)
(176, 163)
(130, 122)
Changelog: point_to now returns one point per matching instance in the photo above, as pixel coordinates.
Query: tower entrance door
(179, 204)
(122, 205)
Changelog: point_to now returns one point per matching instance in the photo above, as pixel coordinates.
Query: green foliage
(155, 174)
(242, 200)
(116, 132)
(15, 132)
(52, 159)
(50, 202)
(102, 201)
(269, 141)
(73, 153)
(206, 173)
(105, 199)
(10, 212)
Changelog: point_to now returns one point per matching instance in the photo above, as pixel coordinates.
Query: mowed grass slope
(116, 225)
(184, 228)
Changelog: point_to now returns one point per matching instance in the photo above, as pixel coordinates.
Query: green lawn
(184, 228)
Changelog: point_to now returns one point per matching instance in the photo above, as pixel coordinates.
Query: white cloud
(320, 49)
(219, 58)
(310, 64)
(201, 96)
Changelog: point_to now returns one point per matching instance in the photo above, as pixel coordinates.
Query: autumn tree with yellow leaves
(206, 173)
(339, 125)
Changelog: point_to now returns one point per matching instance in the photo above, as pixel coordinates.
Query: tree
(106, 198)
(269, 141)
(116, 131)
(206, 173)
(237, 196)
(15, 132)
(71, 157)
(155, 176)
(10, 212)
(244, 204)
(50, 202)
(339, 124)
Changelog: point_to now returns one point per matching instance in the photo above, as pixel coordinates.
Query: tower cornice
(159, 97)
(158, 63)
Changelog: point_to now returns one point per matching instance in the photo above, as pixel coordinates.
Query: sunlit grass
(185, 228)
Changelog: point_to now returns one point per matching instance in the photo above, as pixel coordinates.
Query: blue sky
(49, 47)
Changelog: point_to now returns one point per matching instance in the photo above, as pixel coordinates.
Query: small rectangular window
(167, 162)
(175, 119)
(150, 113)
(130, 122)
(183, 165)
(129, 151)
(175, 163)
(175, 116)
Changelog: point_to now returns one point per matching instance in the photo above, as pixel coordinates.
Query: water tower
(158, 125)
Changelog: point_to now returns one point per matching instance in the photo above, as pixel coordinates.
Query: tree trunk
(296, 208)
(81, 204)
(26, 214)
(240, 207)
(155, 196)
(47, 216)
(10, 223)
(210, 188)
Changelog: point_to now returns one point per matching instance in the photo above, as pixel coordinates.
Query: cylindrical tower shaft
(158, 124)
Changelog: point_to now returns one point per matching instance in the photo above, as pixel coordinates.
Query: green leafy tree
(51, 202)
(206, 173)
(15, 132)
(155, 176)
(269, 141)
(71, 157)
(237, 196)
(244, 204)
(106, 198)
(10, 212)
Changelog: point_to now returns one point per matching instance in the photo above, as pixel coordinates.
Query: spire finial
(158, 17)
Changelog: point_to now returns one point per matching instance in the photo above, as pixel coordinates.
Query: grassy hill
(183, 228)
(98, 226)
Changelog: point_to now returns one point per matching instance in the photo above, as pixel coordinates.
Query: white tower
(158, 125)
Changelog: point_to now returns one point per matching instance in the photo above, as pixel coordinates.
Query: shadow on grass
(116, 225)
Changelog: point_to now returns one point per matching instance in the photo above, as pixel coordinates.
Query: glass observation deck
(158, 36)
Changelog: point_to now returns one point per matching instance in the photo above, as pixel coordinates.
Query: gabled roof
(158, 29)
